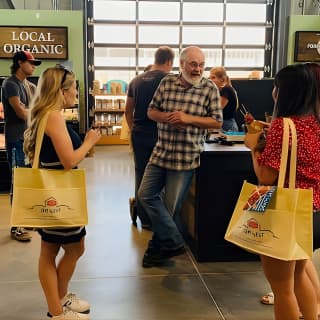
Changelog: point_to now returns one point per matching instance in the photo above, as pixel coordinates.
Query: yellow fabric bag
(47, 197)
(284, 229)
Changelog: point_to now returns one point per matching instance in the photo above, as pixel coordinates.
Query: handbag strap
(39, 138)
(288, 127)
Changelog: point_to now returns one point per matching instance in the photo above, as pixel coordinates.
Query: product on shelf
(119, 103)
(119, 119)
(112, 119)
(107, 104)
(98, 104)
(115, 87)
(96, 88)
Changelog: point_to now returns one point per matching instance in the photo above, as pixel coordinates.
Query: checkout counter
(217, 183)
(211, 199)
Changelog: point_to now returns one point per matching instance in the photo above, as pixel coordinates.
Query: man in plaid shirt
(184, 106)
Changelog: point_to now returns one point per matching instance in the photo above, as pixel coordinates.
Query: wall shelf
(108, 116)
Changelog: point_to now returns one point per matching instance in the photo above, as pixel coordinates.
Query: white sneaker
(20, 234)
(72, 302)
(71, 315)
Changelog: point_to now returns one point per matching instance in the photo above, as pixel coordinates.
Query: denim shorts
(63, 235)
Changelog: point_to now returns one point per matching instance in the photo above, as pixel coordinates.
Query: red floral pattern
(308, 154)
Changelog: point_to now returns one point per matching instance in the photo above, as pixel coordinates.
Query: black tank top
(48, 155)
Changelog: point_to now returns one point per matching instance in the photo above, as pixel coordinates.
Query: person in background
(143, 130)
(229, 98)
(295, 94)
(16, 96)
(61, 149)
(184, 105)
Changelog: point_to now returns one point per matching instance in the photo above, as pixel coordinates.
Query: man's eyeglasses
(195, 65)
(66, 71)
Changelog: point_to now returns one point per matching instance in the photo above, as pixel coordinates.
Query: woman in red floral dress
(296, 96)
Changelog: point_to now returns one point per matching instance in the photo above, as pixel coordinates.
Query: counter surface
(215, 147)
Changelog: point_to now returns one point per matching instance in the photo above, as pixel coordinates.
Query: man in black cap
(16, 95)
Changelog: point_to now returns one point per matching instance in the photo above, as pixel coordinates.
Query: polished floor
(110, 275)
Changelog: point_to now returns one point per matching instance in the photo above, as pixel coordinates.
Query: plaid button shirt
(179, 149)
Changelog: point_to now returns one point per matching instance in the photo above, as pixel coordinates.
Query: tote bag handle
(288, 126)
(39, 138)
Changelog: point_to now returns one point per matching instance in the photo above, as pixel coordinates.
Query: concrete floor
(110, 275)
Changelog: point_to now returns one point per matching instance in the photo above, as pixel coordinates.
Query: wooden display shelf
(103, 110)
(106, 125)
(111, 139)
(109, 95)
(76, 106)
(113, 111)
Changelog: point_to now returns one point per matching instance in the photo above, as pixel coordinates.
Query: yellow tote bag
(48, 197)
(284, 229)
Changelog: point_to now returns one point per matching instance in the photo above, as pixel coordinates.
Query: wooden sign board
(307, 46)
(42, 42)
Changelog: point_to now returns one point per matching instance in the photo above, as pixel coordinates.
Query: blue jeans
(142, 145)
(16, 158)
(230, 125)
(163, 206)
(15, 154)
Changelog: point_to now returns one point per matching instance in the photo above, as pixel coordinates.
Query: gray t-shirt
(14, 126)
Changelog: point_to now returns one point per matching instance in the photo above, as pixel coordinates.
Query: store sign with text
(42, 42)
(307, 46)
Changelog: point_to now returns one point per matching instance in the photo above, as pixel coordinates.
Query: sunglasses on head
(66, 71)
